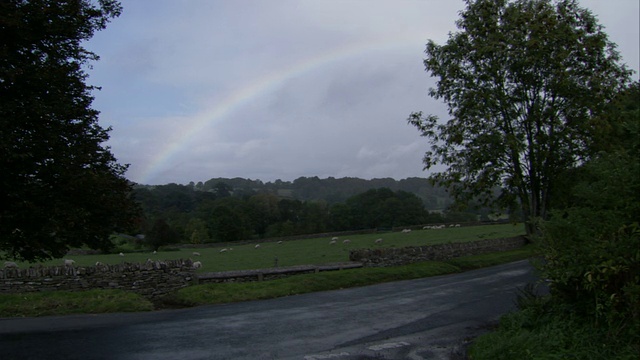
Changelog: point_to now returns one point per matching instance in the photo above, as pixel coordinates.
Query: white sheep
(10, 264)
(195, 253)
(98, 263)
(154, 252)
(121, 254)
(335, 238)
(406, 231)
(69, 262)
(279, 242)
(346, 241)
(223, 250)
(378, 241)
(457, 225)
(197, 265)
(257, 246)
(332, 242)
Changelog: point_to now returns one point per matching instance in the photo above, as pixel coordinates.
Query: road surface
(428, 318)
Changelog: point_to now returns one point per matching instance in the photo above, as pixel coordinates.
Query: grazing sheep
(346, 241)
(332, 242)
(279, 242)
(69, 262)
(154, 252)
(195, 253)
(378, 241)
(457, 225)
(98, 263)
(335, 238)
(10, 264)
(223, 250)
(197, 265)
(257, 246)
(121, 254)
(406, 231)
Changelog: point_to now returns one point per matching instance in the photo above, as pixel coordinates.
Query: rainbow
(243, 95)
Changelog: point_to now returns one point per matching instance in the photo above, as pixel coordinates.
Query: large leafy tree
(524, 82)
(61, 187)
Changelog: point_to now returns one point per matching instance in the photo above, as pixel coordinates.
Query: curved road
(427, 318)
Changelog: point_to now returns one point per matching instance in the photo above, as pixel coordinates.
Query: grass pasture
(314, 251)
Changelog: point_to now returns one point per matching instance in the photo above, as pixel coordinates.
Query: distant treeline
(222, 210)
(333, 190)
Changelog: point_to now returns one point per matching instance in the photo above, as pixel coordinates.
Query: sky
(200, 89)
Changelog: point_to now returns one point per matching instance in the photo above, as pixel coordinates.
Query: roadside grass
(333, 280)
(315, 251)
(305, 283)
(530, 334)
(66, 302)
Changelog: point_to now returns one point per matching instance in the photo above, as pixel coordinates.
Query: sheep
(154, 252)
(332, 242)
(406, 231)
(10, 264)
(457, 225)
(69, 262)
(223, 250)
(121, 254)
(197, 265)
(335, 238)
(378, 241)
(280, 242)
(346, 241)
(257, 246)
(98, 263)
(195, 253)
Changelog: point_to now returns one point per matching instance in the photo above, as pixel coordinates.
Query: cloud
(278, 89)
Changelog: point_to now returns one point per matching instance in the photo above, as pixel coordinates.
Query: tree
(196, 231)
(161, 234)
(524, 82)
(61, 187)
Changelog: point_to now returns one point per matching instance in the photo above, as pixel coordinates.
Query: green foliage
(592, 245)
(160, 234)
(522, 80)
(61, 187)
(541, 331)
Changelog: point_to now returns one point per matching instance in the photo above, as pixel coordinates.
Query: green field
(302, 252)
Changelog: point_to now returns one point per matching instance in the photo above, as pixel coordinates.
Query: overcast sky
(197, 89)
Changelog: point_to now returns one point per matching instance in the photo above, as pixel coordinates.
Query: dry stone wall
(152, 279)
(407, 255)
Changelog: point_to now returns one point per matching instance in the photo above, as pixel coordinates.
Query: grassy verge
(99, 301)
(300, 284)
(65, 303)
(536, 334)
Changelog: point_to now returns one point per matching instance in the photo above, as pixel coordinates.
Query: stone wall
(152, 279)
(407, 255)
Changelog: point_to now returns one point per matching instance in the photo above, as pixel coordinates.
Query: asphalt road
(429, 318)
